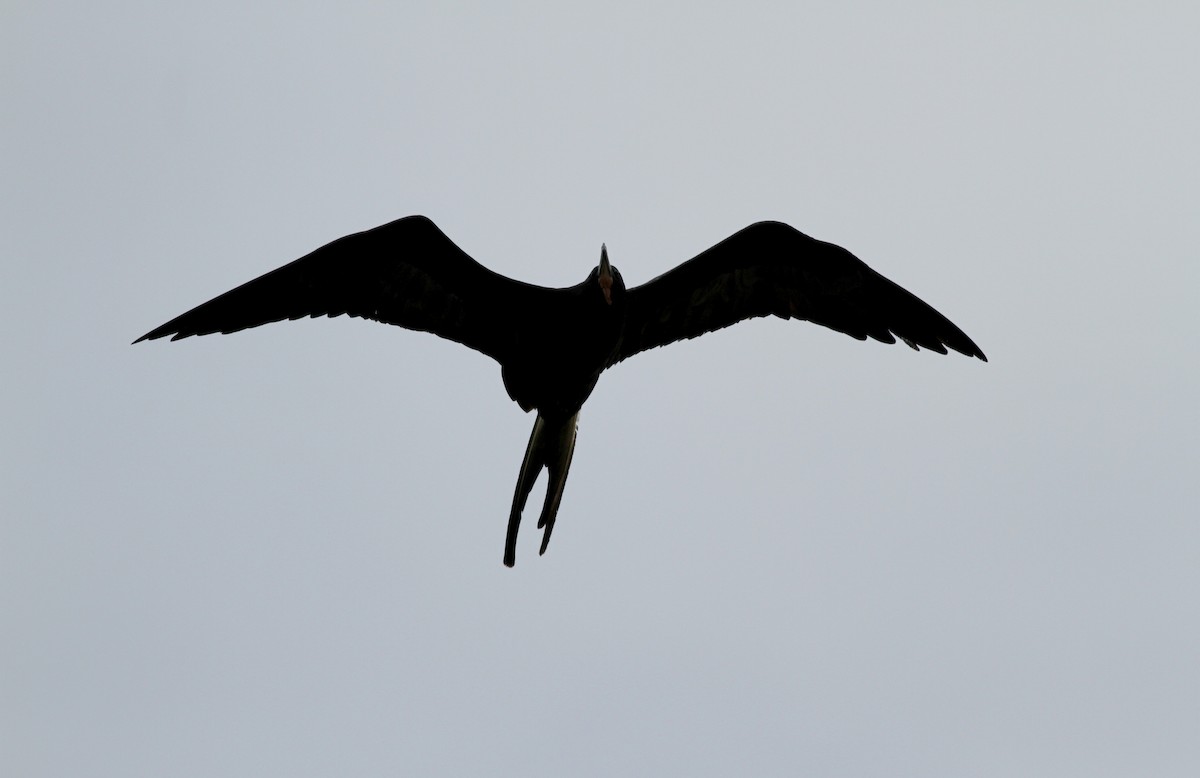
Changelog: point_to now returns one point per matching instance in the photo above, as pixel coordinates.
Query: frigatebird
(552, 344)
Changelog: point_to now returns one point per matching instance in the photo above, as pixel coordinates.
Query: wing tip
(939, 344)
(162, 333)
(968, 349)
(965, 346)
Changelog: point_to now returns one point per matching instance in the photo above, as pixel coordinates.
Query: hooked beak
(606, 276)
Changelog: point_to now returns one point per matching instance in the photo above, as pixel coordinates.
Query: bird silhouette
(553, 344)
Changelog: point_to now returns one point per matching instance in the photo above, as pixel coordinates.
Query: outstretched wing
(770, 268)
(406, 273)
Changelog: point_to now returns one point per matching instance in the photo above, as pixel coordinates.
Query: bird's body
(563, 343)
(553, 344)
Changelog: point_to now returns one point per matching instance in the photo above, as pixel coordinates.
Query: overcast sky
(781, 551)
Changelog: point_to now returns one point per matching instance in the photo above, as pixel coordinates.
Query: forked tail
(551, 445)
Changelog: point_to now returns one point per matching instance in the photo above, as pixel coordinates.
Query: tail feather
(551, 446)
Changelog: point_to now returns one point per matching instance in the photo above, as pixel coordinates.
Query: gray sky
(781, 551)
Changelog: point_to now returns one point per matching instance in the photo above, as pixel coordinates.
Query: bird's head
(609, 278)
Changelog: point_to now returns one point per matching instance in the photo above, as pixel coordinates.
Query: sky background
(781, 551)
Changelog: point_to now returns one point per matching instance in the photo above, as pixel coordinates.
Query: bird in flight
(553, 344)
